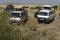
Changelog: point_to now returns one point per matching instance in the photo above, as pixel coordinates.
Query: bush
(32, 8)
(37, 7)
(55, 7)
(4, 27)
(59, 7)
(25, 7)
(6, 30)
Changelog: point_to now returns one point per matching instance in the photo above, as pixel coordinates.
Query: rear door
(51, 15)
(22, 16)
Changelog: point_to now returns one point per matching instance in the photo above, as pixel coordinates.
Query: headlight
(17, 19)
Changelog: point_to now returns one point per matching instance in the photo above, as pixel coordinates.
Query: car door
(54, 13)
(22, 17)
(50, 15)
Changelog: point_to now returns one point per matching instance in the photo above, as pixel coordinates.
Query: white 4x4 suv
(18, 17)
(45, 7)
(45, 15)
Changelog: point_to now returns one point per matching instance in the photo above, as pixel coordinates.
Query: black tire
(53, 19)
(48, 22)
(39, 21)
(25, 21)
(19, 23)
(35, 14)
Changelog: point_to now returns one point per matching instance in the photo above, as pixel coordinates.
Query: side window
(53, 11)
(50, 13)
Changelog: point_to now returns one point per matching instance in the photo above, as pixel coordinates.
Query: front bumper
(42, 19)
(15, 21)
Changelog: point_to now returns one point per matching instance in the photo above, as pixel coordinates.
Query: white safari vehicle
(46, 7)
(18, 16)
(45, 15)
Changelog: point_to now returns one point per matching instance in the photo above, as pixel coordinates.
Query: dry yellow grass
(28, 28)
(40, 31)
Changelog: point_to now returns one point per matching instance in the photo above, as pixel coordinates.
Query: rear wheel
(25, 21)
(35, 14)
(39, 22)
(53, 19)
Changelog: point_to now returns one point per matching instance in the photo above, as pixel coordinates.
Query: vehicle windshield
(43, 13)
(15, 15)
(48, 8)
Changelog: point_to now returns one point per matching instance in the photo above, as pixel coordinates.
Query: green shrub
(6, 30)
(59, 7)
(37, 7)
(4, 27)
(25, 7)
(32, 8)
(55, 7)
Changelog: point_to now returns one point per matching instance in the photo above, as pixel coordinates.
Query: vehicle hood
(40, 16)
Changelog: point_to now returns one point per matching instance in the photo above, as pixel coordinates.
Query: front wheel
(38, 21)
(48, 21)
(53, 19)
(19, 23)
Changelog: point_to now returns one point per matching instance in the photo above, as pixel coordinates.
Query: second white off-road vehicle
(19, 16)
(45, 15)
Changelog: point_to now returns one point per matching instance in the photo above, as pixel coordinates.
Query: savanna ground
(32, 30)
